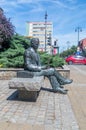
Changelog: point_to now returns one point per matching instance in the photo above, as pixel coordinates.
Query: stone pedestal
(27, 95)
(28, 88)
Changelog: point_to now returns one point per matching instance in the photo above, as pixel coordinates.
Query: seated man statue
(32, 64)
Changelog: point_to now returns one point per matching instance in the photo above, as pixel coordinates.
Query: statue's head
(35, 43)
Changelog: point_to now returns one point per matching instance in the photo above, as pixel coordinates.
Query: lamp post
(45, 29)
(78, 29)
(68, 45)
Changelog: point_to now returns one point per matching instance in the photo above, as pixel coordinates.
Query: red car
(75, 59)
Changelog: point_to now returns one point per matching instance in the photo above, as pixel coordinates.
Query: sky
(66, 16)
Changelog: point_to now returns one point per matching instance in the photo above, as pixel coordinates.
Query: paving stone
(51, 111)
(3, 125)
(27, 127)
(38, 127)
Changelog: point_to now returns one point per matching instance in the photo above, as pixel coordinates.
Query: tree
(13, 56)
(68, 52)
(6, 30)
(51, 60)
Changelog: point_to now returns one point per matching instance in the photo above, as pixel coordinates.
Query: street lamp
(78, 29)
(68, 45)
(45, 29)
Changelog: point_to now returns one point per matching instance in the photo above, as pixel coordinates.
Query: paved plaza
(77, 94)
(51, 111)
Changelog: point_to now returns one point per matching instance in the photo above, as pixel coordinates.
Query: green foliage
(68, 52)
(13, 56)
(57, 61)
(6, 30)
(45, 58)
(18, 40)
(51, 60)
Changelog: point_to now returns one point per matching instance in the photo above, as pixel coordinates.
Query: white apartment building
(38, 30)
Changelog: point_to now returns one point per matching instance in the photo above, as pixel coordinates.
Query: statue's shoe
(60, 90)
(66, 81)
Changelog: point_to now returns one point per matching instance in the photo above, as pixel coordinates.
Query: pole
(45, 29)
(68, 45)
(78, 29)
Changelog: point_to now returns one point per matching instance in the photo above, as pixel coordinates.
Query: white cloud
(38, 9)
(72, 1)
(65, 16)
(2, 1)
(60, 4)
(30, 1)
(24, 1)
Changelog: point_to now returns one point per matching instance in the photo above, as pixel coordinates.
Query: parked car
(75, 59)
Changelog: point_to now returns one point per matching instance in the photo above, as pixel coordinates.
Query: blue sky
(66, 16)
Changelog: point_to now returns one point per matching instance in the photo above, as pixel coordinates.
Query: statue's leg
(53, 72)
(62, 80)
(45, 72)
(55, 85)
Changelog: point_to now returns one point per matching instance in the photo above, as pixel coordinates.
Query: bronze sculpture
(33, 65)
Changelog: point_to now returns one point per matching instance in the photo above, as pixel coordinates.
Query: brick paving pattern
(77, 94)
(51, 111)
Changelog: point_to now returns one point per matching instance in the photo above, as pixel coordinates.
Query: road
(77, 93)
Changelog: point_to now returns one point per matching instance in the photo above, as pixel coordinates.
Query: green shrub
(51, 60)
(13, 56)
(57, 61)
